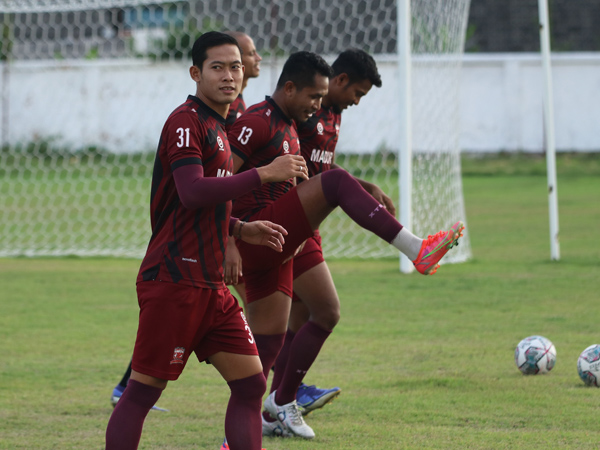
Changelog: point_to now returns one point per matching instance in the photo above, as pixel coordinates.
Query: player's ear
(195, 73)
(289, 88)
(342, 79)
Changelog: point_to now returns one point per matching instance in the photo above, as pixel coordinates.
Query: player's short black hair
(301, 68)
(358, 65)
(208, 40)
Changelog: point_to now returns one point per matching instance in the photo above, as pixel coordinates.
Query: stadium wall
(121, 105)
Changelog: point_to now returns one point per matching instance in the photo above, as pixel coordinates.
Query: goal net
(86, 86)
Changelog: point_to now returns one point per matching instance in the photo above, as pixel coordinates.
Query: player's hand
(233, 263)
(283, 168)
(380, 196)
(263, 232)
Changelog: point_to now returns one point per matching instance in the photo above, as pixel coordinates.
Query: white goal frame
(56, 221)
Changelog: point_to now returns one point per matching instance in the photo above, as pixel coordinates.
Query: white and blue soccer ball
(588, 365)
(535, 355)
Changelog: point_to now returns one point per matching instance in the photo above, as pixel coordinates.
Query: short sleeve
(249, 133)
(184, 141)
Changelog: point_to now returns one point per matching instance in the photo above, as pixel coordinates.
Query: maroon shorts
(176, 320)
(264, 269)
(310, 256)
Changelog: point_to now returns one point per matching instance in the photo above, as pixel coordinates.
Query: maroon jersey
(318, 138)
(188, 246)
(259, 136)
(236, 109)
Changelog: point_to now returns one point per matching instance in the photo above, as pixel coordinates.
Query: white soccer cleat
(290, 416)
(274, 429)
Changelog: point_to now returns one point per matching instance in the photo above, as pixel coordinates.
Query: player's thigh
(269, 315)
(232, 366)
(317, 291)
(316, 208)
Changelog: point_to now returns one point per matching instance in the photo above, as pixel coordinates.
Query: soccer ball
(588, 365)
(534, 355)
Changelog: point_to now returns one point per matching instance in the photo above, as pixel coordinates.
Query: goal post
(549, 130)
(92, 81)
(405, 121)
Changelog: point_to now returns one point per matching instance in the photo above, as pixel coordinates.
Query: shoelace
(295, 415)
(436, 235)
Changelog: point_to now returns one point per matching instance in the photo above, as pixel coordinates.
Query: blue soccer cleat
(116, 395)
(310, 398)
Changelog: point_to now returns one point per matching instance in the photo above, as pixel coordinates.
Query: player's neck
(220, 108)
(279, 98)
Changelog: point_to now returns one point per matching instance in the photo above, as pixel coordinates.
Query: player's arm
(197, 191)
(375, 191)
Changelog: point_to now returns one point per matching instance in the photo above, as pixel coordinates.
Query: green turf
(423, 362)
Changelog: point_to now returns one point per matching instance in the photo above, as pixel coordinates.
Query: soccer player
(265, 131)
(185, 306)
(251, 62)
(355, 73)
(315, 307)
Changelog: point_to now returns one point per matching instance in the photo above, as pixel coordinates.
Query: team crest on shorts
(178, 355)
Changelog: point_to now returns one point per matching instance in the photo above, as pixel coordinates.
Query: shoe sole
(453, 242)
(319, 403)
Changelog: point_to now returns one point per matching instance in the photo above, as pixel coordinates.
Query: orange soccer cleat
(225, 446)
(435, 247)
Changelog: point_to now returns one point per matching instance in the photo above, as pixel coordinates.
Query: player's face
(348, 94)
(219, 82)
(307, 101)
(250, 57)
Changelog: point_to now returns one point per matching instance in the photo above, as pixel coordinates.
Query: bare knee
(327, 315)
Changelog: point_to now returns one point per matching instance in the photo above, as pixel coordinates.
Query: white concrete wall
(501, 102)
(122, 105)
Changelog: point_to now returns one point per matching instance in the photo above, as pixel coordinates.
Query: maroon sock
(127, 420)
(243, 427)
(268, 346)
(282, 360)
(341, 189)
(304, 350)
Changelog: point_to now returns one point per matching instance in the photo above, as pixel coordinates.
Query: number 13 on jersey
(245, 135)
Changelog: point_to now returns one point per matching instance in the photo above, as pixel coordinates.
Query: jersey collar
(207, 109)
(278, 110)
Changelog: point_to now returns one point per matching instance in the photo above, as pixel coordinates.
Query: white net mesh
(87, 85)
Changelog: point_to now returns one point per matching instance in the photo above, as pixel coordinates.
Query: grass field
(423, 362)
